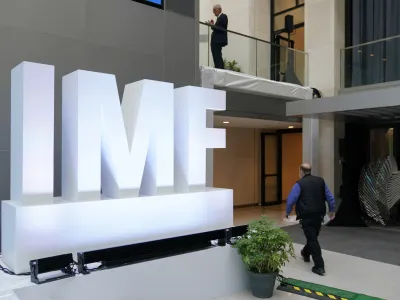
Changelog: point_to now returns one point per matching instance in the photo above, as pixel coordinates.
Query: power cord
(280, 278)
(72, 269)
(88, 270)
(9, 272)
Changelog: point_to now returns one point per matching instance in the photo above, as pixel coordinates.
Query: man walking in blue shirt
(309, 195)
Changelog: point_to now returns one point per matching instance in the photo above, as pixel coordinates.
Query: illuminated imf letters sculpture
(147, 156)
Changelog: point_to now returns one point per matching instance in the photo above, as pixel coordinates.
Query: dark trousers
(216, 50)
(312, 227)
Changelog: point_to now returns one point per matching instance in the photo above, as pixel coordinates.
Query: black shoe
(306, 258)
(318, 271)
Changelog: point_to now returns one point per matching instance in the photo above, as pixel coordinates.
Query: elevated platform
(202, 275)
(374, 104)
(229, 80)
(37, 231)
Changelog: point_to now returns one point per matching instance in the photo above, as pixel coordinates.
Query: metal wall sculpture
(379, 190)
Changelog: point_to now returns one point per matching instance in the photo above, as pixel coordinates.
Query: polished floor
(276, 213)
(379, 244)
(343, 271)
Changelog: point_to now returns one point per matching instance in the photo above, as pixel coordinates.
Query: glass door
(280, 57)
(270, 169)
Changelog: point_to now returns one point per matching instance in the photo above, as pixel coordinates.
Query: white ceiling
(252, 123)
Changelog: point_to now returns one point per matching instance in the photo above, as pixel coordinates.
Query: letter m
(122, 149)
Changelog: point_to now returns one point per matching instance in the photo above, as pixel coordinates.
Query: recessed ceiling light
(371, 54)
(291, 127)
(225, 122)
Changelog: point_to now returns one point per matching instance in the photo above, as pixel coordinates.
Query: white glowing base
(32, 232)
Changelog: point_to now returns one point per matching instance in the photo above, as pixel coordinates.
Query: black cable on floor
(9, 272)
(280, 278)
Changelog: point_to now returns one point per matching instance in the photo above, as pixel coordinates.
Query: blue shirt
(295, 194)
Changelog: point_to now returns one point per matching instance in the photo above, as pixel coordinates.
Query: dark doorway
(270, 169)
(271, 166)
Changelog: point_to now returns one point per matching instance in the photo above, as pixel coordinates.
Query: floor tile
(276, 213)
(344, 272)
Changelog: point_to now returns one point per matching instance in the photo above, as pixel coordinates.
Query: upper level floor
(253, 56)
(369, 40)
(371, 63)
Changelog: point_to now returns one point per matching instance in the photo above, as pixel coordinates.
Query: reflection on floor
(378, 244)
(243, 216)
(344, 272)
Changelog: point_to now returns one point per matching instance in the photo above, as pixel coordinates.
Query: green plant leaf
(265, 248)
(232, 66)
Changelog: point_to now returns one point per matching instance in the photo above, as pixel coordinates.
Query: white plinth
(201, 275)
(36, 231)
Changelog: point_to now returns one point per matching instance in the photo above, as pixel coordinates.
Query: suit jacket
(219, 35)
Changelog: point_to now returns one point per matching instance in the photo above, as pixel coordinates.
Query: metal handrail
(252, 38)
(372, 42)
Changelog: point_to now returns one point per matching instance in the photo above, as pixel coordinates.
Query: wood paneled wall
(237, 166)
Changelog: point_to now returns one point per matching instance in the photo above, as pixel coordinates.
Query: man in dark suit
(219, 36)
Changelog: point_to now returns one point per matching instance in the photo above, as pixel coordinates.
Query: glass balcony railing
(256, 57)
(371, 63)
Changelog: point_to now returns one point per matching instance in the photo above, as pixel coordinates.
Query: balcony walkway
(225, 79)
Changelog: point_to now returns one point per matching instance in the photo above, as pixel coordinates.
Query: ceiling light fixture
(225, 122)
(291, 127)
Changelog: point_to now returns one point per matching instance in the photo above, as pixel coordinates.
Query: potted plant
(232, 66)
(265, 249)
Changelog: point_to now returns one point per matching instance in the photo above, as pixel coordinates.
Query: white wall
(249, 17)
(238, 165)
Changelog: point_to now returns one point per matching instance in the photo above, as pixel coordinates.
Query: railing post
(256, 58)
(306, 66)
(208, 48)
(343, 68)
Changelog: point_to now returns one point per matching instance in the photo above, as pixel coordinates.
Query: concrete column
(324, 37)
(326, 149)
(310, 148)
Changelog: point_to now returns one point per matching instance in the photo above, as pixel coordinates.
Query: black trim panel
(151, 3)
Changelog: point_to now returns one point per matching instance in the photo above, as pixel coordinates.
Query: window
(281, 5)
(298, 16)
(282, 59)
